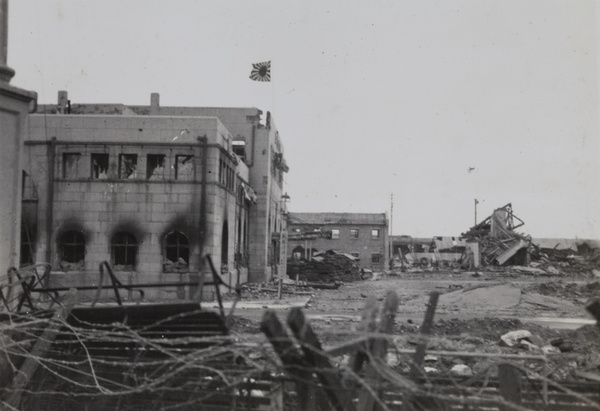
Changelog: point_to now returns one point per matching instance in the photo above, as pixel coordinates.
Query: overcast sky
(437, 102)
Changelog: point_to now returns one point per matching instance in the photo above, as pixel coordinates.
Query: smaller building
(363, 235)
(427, 251)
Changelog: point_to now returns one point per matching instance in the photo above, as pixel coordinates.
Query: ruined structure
(362, 235)
(496, 241)
(152, 189)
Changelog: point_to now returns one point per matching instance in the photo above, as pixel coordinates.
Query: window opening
(184, 167)
(155, 167)
(71, 165)
(335, 233)
(127, 165)
(100, 166)
(239, 148)
(124, 249)
(375, 233)
(26, 245)
(177, 253)
(72, 250)
(225, 248)
(375, 258)
(354, 232)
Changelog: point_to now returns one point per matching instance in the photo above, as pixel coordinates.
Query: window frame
(376, 258)
(133, 174)
(76, 244)
(178, 175)
(149, 171)
(67, 155)
(185, 245)
(95, 174)
(127, 246)
(354, 233)
(335, 233)
(375, 236)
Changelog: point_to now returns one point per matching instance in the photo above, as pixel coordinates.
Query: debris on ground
(327, 267)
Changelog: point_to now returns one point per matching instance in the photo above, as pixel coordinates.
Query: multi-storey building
(363, 235)
(152, 190)
(15, 104)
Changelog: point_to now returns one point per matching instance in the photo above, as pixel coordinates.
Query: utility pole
(476, 202)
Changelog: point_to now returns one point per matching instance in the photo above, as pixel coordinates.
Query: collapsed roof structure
(498, 243)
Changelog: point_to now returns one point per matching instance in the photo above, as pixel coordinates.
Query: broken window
(354, 232)
(100, 166)
(239, 148)
(375, 233)
(184, 167)
(71, 165)
(375, 258)
(124, 249)
(335, 233)
(27, 252)
(127, 165)
(176, 253)
(155, 167)
(72, 250)
(28, 188)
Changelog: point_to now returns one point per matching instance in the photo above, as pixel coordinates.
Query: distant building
(152, 189)
(428, 250)
(363, 235)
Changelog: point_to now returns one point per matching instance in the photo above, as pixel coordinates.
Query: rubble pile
(498, 243)
(585, 258)
(329, 266)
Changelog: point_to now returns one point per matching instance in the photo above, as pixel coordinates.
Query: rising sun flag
(261, 71)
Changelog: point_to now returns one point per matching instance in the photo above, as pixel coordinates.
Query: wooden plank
(42, 345)
(311, 346)
(366, 399)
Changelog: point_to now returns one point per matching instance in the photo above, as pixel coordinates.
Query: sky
(437, 103)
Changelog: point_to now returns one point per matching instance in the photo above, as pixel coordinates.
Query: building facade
(363, 235)
(151, 190)
(15, 104)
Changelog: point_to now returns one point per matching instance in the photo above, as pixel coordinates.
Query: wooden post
(366, 401)
(510, 385)
(294, 363)
(313, 351)
(367, 325)
(426, 330)
(44, 342)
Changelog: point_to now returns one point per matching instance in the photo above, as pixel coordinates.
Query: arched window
(176, 252)
(72, 250)
(123, 250)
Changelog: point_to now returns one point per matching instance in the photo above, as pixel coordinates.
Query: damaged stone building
(362, 235)
(151, 189)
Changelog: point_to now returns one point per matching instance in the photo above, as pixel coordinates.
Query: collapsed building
(494, 241)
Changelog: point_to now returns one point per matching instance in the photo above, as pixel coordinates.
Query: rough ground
(474, 311)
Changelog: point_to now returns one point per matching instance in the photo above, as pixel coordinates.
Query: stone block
(161, 198)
